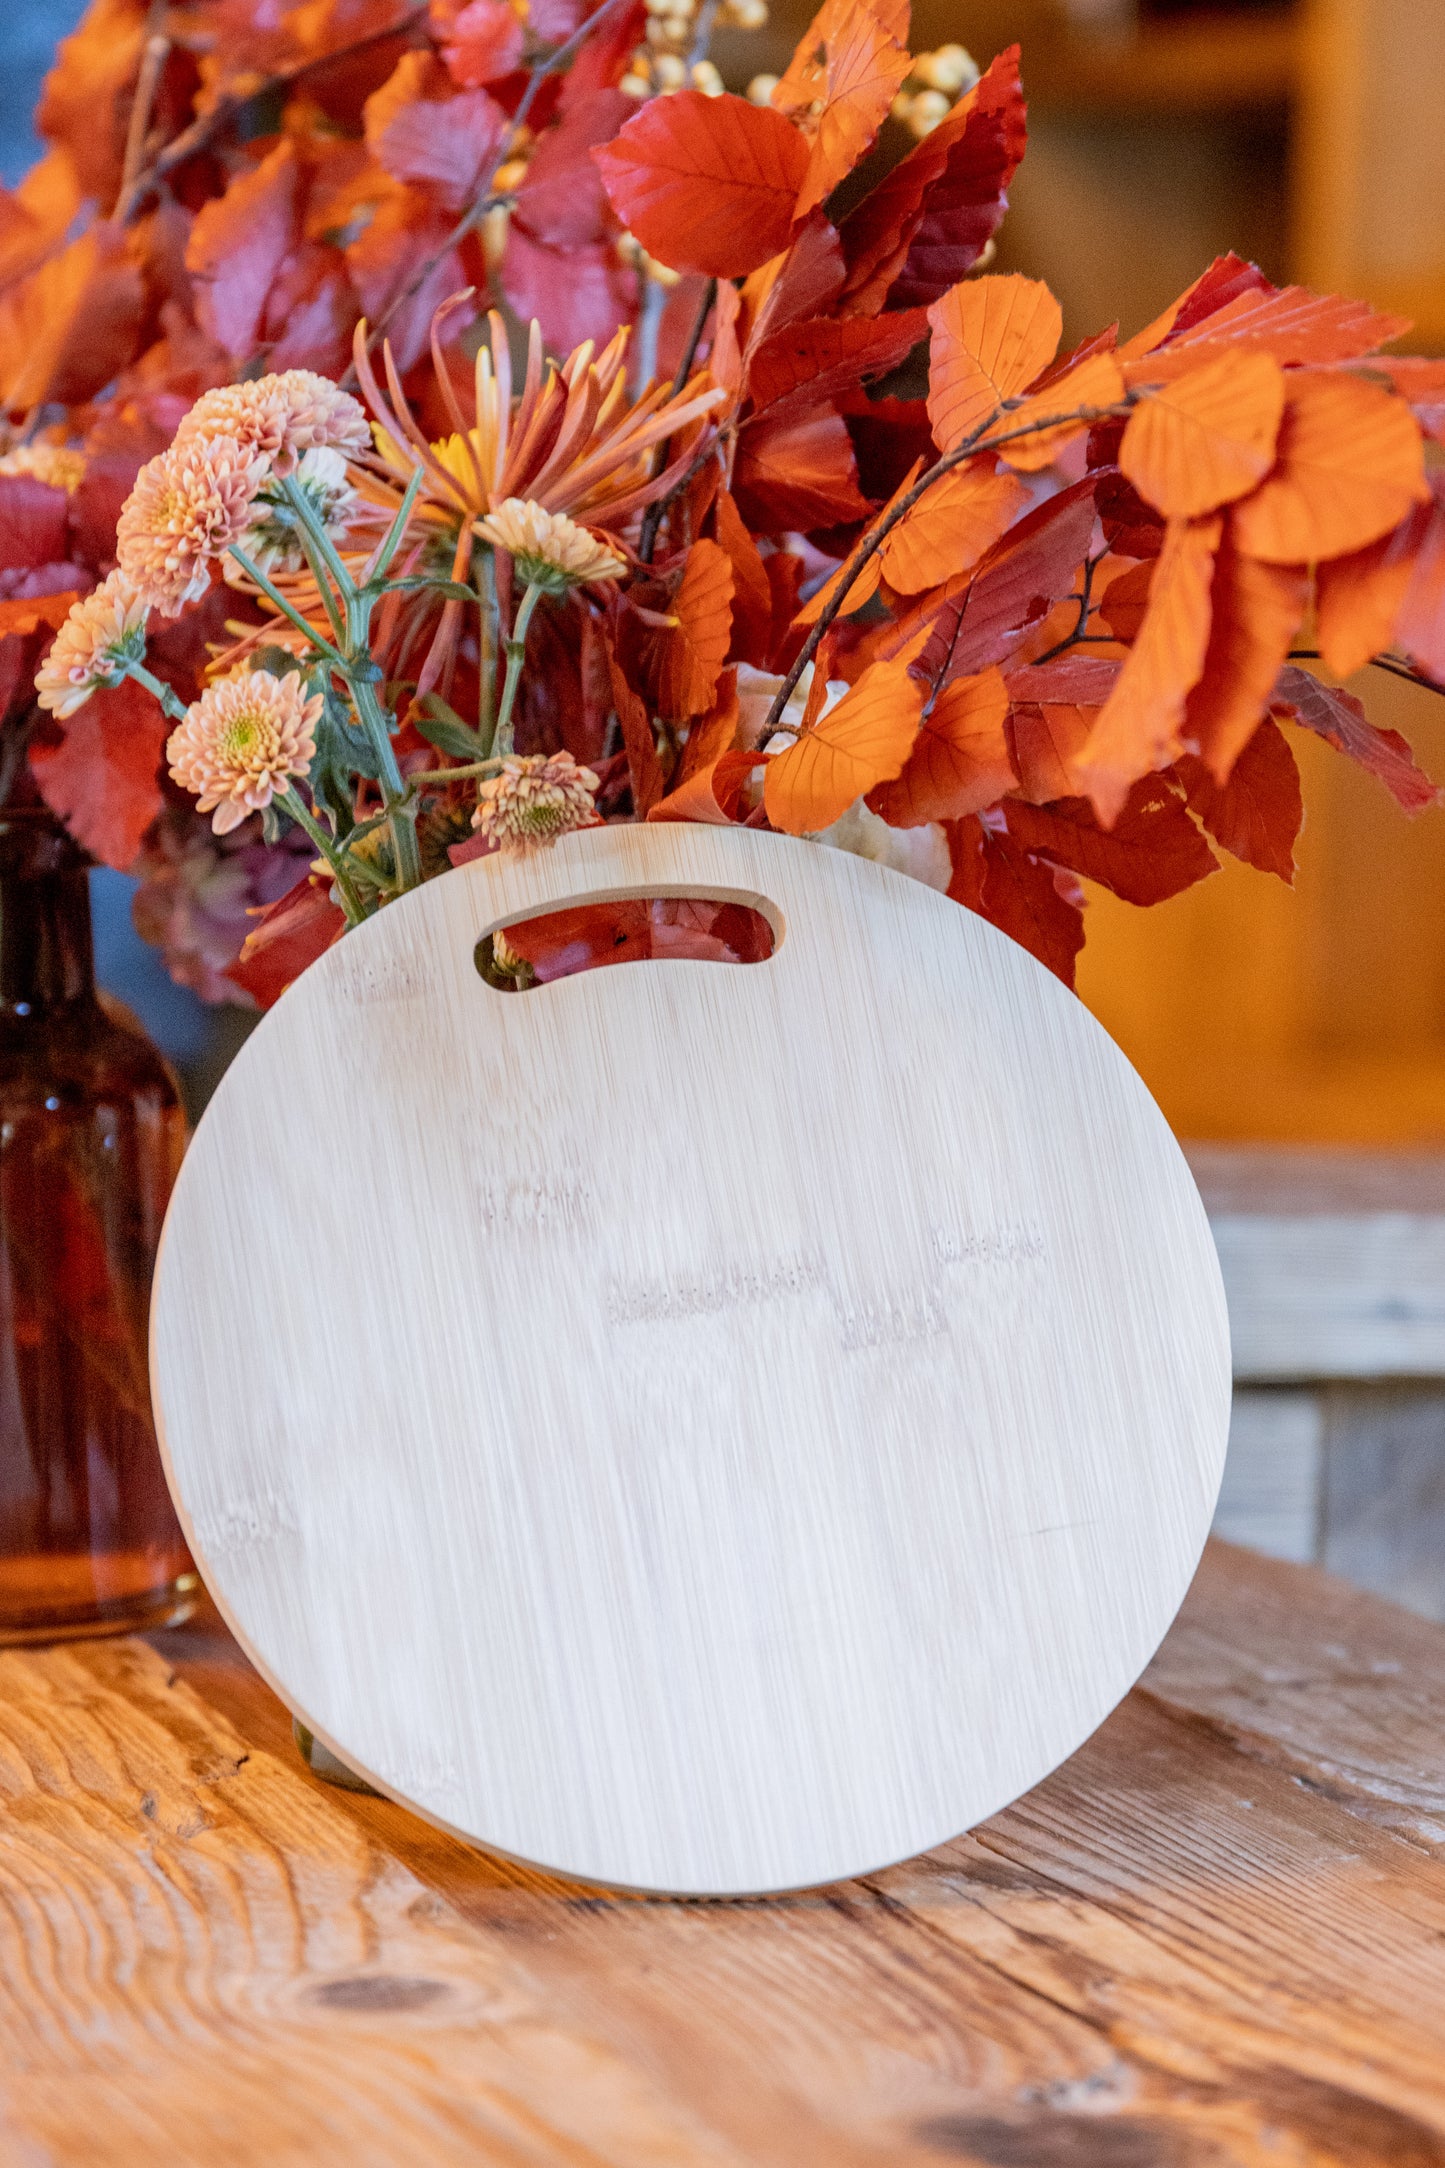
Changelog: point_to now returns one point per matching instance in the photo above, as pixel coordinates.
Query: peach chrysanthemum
(58, 464)
(550, 550)
(187, 507)
(534, 800)
(102, 632)
(241, 742)
(282, 416)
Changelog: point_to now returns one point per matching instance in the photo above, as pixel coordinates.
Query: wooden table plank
(1215, 1937)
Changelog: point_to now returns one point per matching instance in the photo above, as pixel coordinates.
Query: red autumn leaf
(959, 762)
(1420, 626)
(951, 527)
(842, 103)
(1256, 610)
(865, 740)
(643, 765)
(237, 246)
(419, 128)
(1350, 466)
(1045, 739)
(1421, 384)
(102, 775)
(574, 294)
(588, 936)
(822, 356)
(800, 284)
(562, 200)
(1359, 598)
(1078, 678)
(711, 735)
(288, 935)
(69, 327)
(1024, 437)
(687, 659)
(979, 618)
(1151, 852)
(1024, 897)
(1339, 718)
(1139, 725)
(714, 795)
(1292, 324)
(1207, 438)
(1225, 280)
(797, 472)
(33, 523)
(407, 229)
(706, 184)
(1257, 814)
(85, 104)
(991, 337)
(927, 223)
(30, 613)
(483, 42)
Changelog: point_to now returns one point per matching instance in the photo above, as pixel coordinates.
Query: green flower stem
(487, 650)
(171, 702)
(516, 654)
(313, 531)
(300, 812)
(459, 774)
(392, 543)
(278, 601)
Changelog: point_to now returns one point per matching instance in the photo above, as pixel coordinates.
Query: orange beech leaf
(821, 356)
(864, 741)
(1340, 719)
(1359, 598)
(1045, 739)
(1034, 903)
(30, 613)
(1292, 324)
(85, 104)
(1227, 277)
(102, 776)
(1093, 384)
(69, 327)
(991, 337)
(1257, 814)
(1140, 723)
(706, 184)
(1207, 438)
(1420, 626)
(1256, 611)
(982, 617)
(752, 592)
(1350, 466)
(643, 765)
(237, 246)
(960, 759)
(1126, 600)
(928, 221)
(863, 67)
(863, 589)
(717, 795)
(419, 127)
(1152, 851)
(689, 657)
(951, 527)
(1421, 384)
(797, 472)
(711, 735)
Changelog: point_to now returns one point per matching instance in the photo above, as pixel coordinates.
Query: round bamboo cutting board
(703, 1427)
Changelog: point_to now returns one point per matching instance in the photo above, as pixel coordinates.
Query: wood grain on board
(810, 1378)
(1214, 1939)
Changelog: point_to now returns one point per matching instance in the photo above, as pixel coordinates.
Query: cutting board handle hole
(534, 950)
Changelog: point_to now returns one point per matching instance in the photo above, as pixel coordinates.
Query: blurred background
(1305, 134)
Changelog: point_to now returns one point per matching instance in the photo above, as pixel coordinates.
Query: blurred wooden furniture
(1214, 1936)
(1334, 1267)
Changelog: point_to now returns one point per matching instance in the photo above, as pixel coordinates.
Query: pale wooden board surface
(702, 1427)
(1214, 1939)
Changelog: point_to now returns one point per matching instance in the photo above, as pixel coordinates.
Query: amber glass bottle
(91, 1134)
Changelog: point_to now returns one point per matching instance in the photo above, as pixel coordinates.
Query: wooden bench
(1214, 1939)
(1334, 1264)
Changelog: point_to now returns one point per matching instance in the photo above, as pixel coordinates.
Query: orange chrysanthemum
(282, 416)
(186, 509)
(535, 800)
(242, 741)
(101, 632)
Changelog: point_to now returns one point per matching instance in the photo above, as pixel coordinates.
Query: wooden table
(1216, 1936)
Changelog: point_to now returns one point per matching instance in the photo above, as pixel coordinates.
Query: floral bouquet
(1004, 618)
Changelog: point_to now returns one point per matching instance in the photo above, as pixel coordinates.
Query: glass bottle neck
(46, 959)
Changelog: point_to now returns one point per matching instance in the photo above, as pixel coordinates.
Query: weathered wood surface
(1333, 1261)
(1214, 1939)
